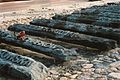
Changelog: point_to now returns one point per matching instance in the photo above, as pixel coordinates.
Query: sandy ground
(25, 4)
(42, 8)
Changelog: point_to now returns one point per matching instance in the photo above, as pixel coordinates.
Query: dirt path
(20, 5)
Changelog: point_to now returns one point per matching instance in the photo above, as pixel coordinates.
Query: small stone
(114, 75)
(101, 78)
(87, 65)
(107, 59)
(92, 69)
(118, 57)
(53, 72)
(118, 68)
(99, 65)
(48, 78)
(87, 69)
(115, 64)
(67, 74)
(73, 76)
(113, 69)
(72, 79)
(100, 55)
(85, 77)
(77, 72)
(86, 73)
(83, 61)
(114, 60)
(55, 76)
(100, 71)
(96, 61)
(83, 70)
(101, 59)
(96, 75)
(63, 78)
(115, 55)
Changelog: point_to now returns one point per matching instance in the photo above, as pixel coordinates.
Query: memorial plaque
(21, 67)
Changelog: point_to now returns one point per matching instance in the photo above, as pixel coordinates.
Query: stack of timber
(107, 15)
(81, 28)
(67, 36)
(57, 51)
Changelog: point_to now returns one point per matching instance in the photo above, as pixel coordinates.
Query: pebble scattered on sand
(87, 70)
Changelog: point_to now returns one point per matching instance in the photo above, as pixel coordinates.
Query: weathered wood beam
(100, 21)
(29, 53)
(96, 11)
(81, 28)
(95, 20)
(112, 16)
(21, 67)
(106, 15)
(67, 36)
(115, 8)
(56, 51)
(89, 14)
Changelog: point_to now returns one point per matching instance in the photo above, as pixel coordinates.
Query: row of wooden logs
(98, 31)
(53, 50)
(67, 36)
(107, 15)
